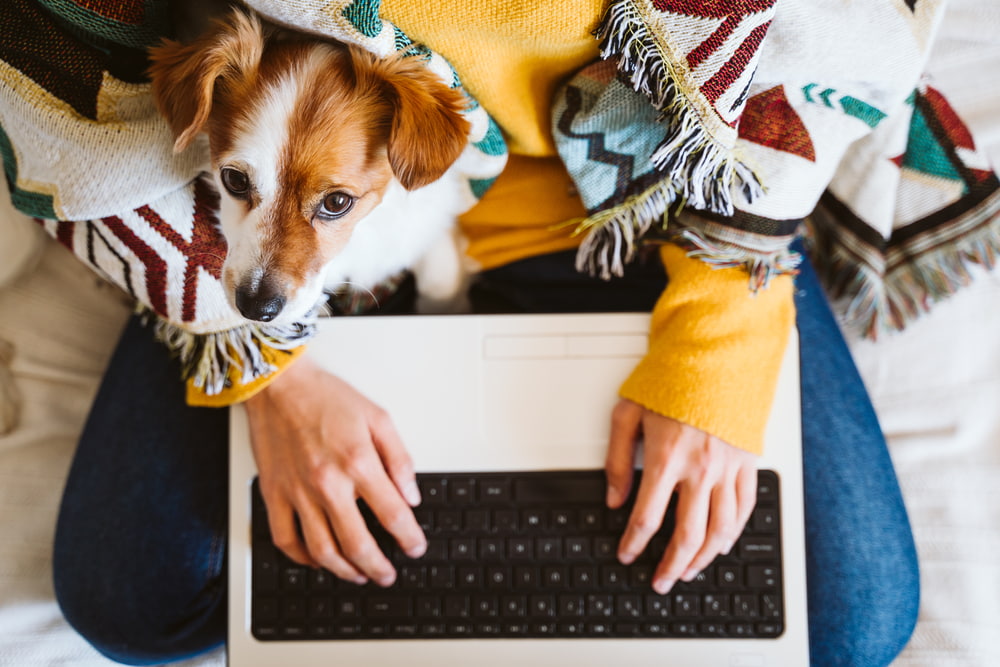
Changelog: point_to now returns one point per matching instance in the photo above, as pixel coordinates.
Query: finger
(722, 527)
(651, 502)
(395, 458)
(746, 495)
(323, 547)
(284, 532)
(356, 542)
(392, 513)
(688, 537)
(620, 461)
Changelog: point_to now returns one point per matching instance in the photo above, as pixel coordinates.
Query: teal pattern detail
(480, 186)
(92, 27)
(861, 110)
(925, 154)
(35, 204)
(852, 106)
(493, 143)
(363, 15)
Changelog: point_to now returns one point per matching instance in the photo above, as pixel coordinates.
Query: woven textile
(722, 126)
(86, 153)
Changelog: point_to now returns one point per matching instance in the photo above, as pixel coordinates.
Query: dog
(334, 166)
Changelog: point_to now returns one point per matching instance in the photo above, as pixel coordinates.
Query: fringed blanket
(723, 125)
(86, 153)
(717, 125)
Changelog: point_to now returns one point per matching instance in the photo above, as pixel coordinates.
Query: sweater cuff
(715, 350)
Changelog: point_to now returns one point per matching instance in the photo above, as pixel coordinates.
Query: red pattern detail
(156, 266)
(955, 130)
(714, 41)
(713, 8)
(65, 230)
(721, 81)
(126, 11)
(206, 250)
(770, 120)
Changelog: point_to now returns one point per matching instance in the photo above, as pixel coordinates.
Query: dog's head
(305, 137)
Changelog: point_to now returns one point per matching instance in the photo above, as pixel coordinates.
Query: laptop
(472, 394)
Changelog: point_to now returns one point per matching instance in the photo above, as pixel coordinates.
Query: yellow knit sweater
(715, 348)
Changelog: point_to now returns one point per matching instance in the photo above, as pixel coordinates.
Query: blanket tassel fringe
(207, 359)
(705, 171)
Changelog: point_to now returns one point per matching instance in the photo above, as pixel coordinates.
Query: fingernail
(663, 586)
(360, 580)
(690, 574)
(412, 494)
(626, 557)
(614, 497)
(387, 580)
(726, 549)
(417, 551)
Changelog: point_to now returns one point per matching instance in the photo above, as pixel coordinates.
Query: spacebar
(555, 489)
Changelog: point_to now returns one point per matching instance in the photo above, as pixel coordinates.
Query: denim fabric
(138, 555)
(139, 562)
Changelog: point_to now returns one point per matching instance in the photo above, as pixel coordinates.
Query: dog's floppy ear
(428, 131)
(184, 75)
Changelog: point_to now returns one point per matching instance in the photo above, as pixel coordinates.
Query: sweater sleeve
(715, 350)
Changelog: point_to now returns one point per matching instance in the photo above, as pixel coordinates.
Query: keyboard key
(433, 492)
(462, 548)
(600, 605)
(514, 605)
(469, 577)
(548, 548)
(762, 576)
(541, 605)
(461, 491)
(520, 548)
(686, 605)
(494, 491)
(728, 576)
(571, 605)
(584, 577)
(505, 521)
(563, 520)
(428, 606)
(658, 606)
(476, 521)
(628, 606)
(498, 577)
(757, 548)
(542, 490)
(456, 606)
(485, 607)
(388, 607)
(441, 576)
(555, 577)
(577, 548)
(715, 606)
(491, 549)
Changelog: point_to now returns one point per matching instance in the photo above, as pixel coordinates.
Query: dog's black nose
(260, 301)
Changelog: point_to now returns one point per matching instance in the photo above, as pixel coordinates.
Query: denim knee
(141, 620)
(869, 615)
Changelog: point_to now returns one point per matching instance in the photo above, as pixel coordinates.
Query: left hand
(716, 485)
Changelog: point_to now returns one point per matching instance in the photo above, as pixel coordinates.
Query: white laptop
(503, 393)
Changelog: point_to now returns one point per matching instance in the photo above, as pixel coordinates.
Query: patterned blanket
(721, 126)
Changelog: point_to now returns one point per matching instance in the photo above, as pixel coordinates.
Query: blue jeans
(139, 559)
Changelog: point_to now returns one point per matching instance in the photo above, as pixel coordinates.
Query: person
(139, 557)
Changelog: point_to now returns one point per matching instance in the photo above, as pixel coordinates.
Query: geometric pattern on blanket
(946, 215)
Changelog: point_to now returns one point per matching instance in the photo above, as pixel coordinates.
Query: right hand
(319, 446)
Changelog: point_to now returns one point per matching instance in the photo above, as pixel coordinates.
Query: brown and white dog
(332, 164)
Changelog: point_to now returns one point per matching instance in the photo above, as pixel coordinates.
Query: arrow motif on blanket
(852, 106)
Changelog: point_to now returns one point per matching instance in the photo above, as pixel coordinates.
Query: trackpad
(553, 409)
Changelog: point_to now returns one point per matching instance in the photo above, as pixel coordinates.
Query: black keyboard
(527, 554)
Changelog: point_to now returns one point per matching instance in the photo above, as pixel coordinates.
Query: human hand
(319, 446)
(716, 485)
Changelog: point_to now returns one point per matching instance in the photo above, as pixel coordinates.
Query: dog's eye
(235, 181)
(336, 204)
